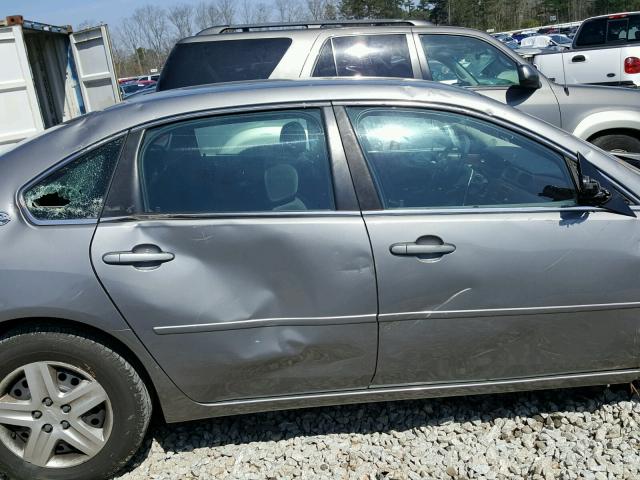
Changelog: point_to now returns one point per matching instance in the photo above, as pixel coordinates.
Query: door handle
(140, 255)
(419, 249)
(130, 258)
(578, 58)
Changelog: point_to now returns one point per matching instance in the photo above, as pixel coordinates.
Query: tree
(226, 11)
(287, 10)
(153, 24)
(372, 8)
(181, 17)
(315, 9)
(330, 10)
(253, 12)
(128, 34)
(206, 14)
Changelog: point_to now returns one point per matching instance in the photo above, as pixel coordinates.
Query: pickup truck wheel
(618, 143)
(70, 407)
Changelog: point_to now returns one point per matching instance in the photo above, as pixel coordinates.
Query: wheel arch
(606, 123)
(110, 340)
(635, 133)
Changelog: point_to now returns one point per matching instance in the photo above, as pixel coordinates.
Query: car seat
(281, 184)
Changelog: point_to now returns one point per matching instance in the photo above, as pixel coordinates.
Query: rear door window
(201, 63)
(256, 162)
(365, 56)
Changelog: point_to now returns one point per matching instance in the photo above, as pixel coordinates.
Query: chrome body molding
(491, 312)
(264, 322)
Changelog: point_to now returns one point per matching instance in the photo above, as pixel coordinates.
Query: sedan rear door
(233, 245)
(487, 267)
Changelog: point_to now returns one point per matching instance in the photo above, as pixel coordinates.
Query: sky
(74, 12)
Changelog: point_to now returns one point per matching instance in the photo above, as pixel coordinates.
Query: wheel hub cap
(54, 415)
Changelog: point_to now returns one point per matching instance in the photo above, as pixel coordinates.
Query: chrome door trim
(486, 210)
(231, 215)
(229, 110)
(265, 322)
(491, 312)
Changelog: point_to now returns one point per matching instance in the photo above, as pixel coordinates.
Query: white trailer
(49, 75)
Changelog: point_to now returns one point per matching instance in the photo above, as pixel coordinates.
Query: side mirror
(594, 189)
(529, 77)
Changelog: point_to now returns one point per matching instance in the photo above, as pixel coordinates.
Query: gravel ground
(578, 433)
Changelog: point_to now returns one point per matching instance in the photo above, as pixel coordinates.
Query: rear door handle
(578, 58)
(418, 249)
(140, 255)
(130, 258)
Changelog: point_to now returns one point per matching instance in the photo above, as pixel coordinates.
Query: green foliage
(484, 14)
(373, 8)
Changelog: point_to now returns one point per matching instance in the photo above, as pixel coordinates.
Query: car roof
(82, 132)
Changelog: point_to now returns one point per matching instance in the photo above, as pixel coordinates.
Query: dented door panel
(250, 307)
(523, 294)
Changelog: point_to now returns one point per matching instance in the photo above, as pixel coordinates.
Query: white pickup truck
(49, 75)
(605, 51)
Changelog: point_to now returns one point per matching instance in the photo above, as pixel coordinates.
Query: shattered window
(77, 190)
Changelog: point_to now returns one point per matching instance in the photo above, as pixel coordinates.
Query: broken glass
(76, 190)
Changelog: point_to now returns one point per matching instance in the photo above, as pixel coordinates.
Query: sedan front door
(233, 246)
(487, 267)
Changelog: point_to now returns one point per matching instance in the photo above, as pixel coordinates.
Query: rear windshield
(604, 31)
(200, 63)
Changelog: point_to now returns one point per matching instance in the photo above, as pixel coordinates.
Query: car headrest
(281, 182)
(184, 139)
(293, 133)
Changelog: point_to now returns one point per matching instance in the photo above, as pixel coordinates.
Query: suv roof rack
(261, 27)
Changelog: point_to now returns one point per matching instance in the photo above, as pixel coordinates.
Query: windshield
(561, 39)
(131, 88)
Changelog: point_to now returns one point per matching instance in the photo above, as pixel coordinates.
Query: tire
(121, 419)
(618, 142)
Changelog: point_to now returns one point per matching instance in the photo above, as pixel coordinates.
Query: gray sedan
(271, 245)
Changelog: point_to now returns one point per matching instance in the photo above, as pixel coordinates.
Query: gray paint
(265, 306)
(316, 324)
(520, 305)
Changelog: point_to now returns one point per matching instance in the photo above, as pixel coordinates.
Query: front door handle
(578, 58)
(140, 255)
(419, 249)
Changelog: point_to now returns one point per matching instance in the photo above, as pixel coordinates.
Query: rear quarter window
(200, 63)
(76, 190)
